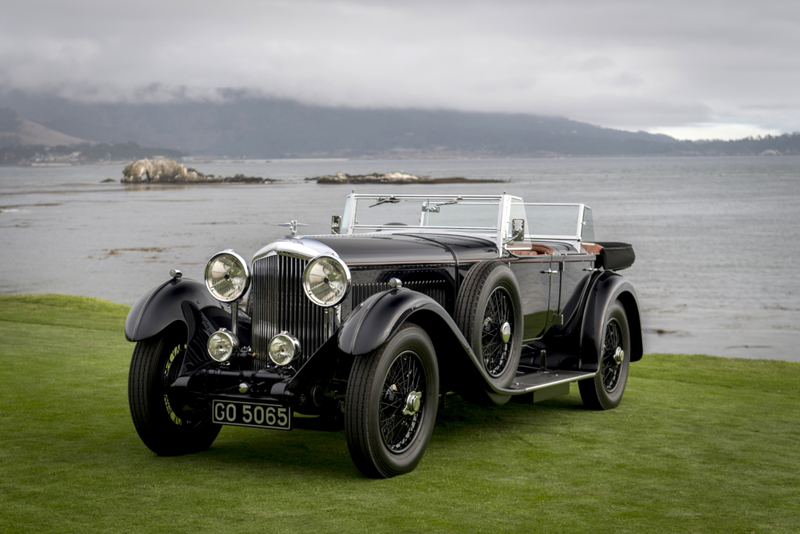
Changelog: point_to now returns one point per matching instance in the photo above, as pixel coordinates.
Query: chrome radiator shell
(279, 304)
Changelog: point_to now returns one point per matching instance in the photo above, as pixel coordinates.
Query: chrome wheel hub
(505, 332)
(412, 403)
(619, 355)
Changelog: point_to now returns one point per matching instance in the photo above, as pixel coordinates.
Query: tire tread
(363, 446)
(355, 411)
(466, 314)
(593, 393)
(467, 308)
(149, 415)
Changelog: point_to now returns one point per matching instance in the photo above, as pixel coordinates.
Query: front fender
(166, 304)
(378, 317)
(609, 287)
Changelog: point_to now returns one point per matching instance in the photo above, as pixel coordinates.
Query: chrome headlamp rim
(242, 262)
(306, 274)
(229, 337)
(290, 340)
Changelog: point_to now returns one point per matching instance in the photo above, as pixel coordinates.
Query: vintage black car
(410, 301)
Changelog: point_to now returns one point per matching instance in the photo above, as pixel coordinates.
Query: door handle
(549, 272)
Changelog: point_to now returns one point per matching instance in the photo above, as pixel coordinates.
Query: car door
(574, 271)
(534, 275)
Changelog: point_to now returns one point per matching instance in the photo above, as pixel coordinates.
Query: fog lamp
(283, 348)
(221, 345)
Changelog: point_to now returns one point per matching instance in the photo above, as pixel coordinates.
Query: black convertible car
(409, 300)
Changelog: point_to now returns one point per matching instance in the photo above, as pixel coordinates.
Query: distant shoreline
(216, 161)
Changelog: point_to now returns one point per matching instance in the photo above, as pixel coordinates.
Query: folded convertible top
(615, 256)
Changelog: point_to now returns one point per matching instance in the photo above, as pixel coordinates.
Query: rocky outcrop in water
(168, 171)
(391, 178)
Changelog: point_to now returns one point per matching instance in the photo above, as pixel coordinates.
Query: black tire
(604, 391)
(162, 424)
(488, 298)
(383, 440)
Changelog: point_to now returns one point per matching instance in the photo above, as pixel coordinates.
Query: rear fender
(174, 301)
(608, 288)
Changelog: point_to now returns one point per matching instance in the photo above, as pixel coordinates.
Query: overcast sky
(692, 69)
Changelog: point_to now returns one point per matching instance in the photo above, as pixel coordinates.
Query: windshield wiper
(453, 201)
(384, 200)
(434, 208)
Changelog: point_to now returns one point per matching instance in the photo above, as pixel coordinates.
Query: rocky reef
(392, 178)
(168, 171)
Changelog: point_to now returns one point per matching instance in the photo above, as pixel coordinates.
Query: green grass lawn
(699, 444)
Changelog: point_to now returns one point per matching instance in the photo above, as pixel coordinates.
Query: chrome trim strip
(488, 229)
(304, 249)
(437, 196)
(554, 383)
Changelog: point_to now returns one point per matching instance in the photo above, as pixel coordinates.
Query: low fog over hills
(241, 126)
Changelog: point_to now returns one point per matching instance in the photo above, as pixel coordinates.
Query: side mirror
(517, 229)
(336, 224)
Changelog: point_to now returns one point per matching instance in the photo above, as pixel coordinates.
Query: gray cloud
(628, 64)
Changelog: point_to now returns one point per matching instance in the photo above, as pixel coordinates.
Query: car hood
(407, 248)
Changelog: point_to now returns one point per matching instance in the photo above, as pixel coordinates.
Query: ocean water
(715, 238)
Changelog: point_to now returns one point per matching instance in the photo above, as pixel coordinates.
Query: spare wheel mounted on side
(489, 313)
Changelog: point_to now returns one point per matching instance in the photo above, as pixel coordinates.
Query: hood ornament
(292, 227)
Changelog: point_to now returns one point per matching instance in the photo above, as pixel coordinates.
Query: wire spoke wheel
(391, 403)
(488, 312)
(496, 351)
(163, 421)
(171, 370)
(401, 402)
(604, 391)
(611, 344)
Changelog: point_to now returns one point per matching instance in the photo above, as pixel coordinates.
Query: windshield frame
(583, 228)
(497, 233)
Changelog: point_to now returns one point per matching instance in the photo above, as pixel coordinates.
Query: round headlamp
(326, 280)
(283, 348)
(227, 276)
(221, 345)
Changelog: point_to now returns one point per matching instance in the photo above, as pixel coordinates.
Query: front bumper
(241, 385)
(313, 389)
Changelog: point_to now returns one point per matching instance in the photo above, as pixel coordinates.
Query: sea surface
(716, 239)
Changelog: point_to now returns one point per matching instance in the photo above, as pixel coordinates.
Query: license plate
(256, 414)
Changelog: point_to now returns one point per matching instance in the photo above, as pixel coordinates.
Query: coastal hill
(22, 132)
(243, 126)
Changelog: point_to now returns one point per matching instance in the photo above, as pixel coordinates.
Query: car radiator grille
(279, 304)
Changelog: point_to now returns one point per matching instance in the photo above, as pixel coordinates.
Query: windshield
(560, 220)
(374, 213)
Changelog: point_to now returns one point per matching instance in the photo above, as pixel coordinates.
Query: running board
(543, 379)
